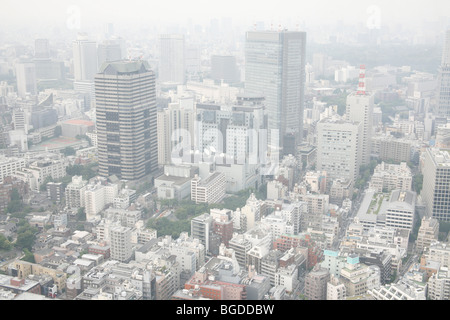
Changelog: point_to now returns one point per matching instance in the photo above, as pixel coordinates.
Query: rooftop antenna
(362, 81)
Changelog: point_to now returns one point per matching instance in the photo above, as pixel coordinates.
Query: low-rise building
(208, 190)
(428, 233)
(403, 290)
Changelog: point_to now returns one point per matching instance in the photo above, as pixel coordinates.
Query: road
(347, 220)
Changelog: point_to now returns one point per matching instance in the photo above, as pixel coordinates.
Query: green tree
(57, 132)
(86, 171)
(338, 98)
(16, 204)
(166, 227)
(26, 235)
(29, 256)
(81, 214)
(418, 182)
(5, 244)
(69, 151)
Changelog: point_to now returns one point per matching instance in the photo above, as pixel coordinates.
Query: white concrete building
(439, 285)
(276, 190)
(400, 212)
(372, 210)
(388, 177)
(333, 261)
(175, 123)
(120, 243)
(94, 197)
(428, 233)
(41, 169)
(84, 58)
(97, 195)
(201, 227)
(403, 290)
(75, 192)
(335, 289)
(436, 183)
(26, 79)
(209, 190)
(360, 109)
(339, 148)
(439, 252)
(172, 63)
(287, 277)
(9, 165)
(358, 278)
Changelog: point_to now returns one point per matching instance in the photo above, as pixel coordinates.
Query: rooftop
(124, 67)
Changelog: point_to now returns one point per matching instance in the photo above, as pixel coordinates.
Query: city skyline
(379, 13)
(232, 151)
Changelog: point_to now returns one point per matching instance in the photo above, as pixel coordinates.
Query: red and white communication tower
(362, 81)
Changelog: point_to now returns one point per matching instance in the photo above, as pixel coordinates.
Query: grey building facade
(126, 120)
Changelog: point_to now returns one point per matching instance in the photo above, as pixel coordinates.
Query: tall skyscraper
(26, 79)
(172, 58)
(443, 101)
(275, 68)
(84, 58)
(85, 67)
(126, 119)
(436, 184)
(46, 67)
(360, 106)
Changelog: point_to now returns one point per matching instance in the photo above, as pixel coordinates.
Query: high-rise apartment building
(316, 283)
(175, 123)
(120, 243)
(75, 192)
(172, 58)
(339, 148)
(126, 120)
(201, 228)
(443, 100)
(360, 106)
(275, 68)
(436, 184)
(237, 132)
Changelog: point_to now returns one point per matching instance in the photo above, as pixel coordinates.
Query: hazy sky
(61, 12)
